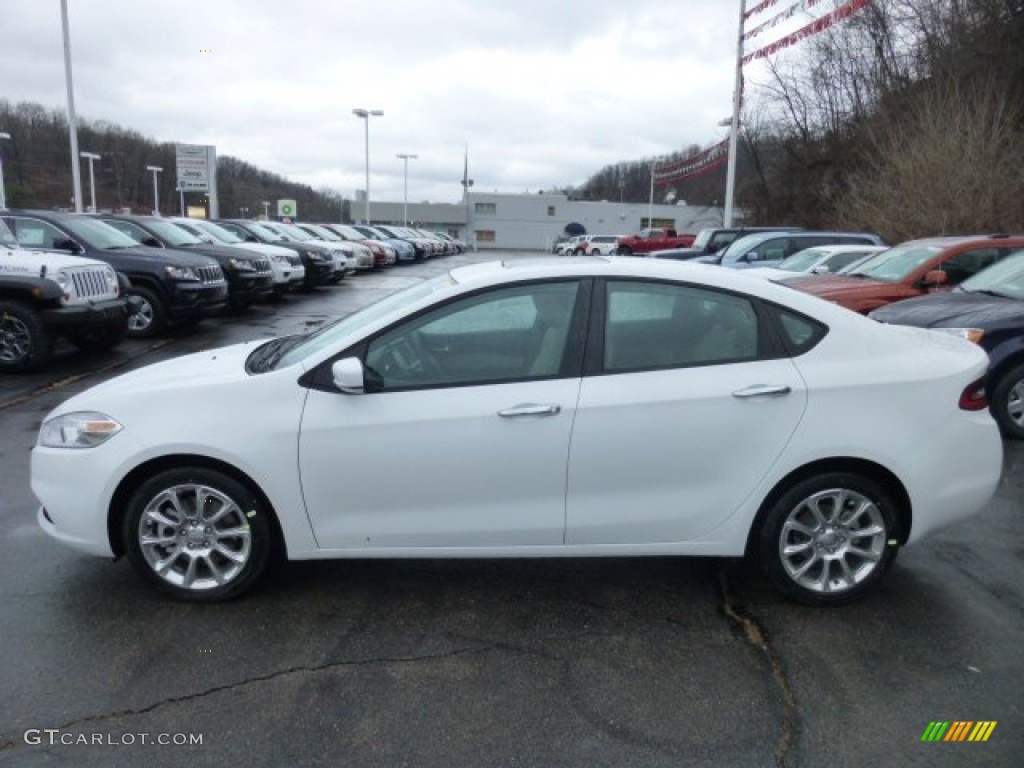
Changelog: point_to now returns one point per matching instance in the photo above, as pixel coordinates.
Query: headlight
(84, 429)
(63, 279)
(971, 334)
(111, 276)
(315, 256)
(277, 259)
(181, 273)
(242, 265)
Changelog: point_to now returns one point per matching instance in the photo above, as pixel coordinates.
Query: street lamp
(3, 197)
(366, 114)
(156, 193)
(90, 156)
(405, 188)
(266, 210)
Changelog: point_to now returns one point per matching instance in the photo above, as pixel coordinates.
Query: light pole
(734, 124)
(3, 196)
(405, 188)
(266, 210)
(76, 176)
(156, 192)
(366, 114)
(90, 156)
(650, 203)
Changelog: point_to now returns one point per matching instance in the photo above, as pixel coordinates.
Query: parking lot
(617, 662)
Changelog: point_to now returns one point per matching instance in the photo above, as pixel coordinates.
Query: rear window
(799, 333)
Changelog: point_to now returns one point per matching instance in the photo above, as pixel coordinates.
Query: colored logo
(959, 730)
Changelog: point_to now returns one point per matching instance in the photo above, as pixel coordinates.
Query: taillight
(973, 398)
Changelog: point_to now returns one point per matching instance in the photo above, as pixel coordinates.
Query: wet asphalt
(611, 662)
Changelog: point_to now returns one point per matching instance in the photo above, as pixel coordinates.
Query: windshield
(216, 231)
(323, 233)
(172, 234)
(7, 237)
(295, 233)
(98, 234)
(265, 233)
(802, 261)
(703, 238)
(349, 232)
(336, 331)
(192, 229)
(1005, 278)
(895, 264)
(741, 246)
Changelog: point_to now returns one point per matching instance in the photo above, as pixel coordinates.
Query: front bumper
(95, 314)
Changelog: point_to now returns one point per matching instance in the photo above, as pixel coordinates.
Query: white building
(534, 222)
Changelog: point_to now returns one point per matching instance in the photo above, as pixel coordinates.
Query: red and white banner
(694, 165)
(818, 25)
(781, 16)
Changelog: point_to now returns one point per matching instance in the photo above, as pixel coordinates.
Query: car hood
(200, 370)
(952, 310)
(22, 261)
(264, 249)
(219, 251)
(840, 286)
(158, 257)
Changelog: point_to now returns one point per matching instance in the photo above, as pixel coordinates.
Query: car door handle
(763, 390)
(529, 409)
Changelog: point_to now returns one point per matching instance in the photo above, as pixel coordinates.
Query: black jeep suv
(249, 275)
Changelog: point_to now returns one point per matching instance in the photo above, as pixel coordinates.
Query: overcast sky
(543, 92)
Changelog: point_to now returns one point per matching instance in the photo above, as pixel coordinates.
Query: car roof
(955, 240)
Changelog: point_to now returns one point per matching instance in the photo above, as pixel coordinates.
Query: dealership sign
(287, 208)
(194, 162)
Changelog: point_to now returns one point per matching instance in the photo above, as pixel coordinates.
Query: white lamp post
(366, 114)
(90, 156)
(3, 197)
(405, 188)
(266, 209)
(76, 176)
(156, 192)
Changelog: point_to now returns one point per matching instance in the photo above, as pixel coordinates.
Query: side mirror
(251, 239)
(348, 377)
(152, 242)
(936, 277)
(67, 244)
(821, 271)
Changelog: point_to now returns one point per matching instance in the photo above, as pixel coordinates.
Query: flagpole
(734, 129)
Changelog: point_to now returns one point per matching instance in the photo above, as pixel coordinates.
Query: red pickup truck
(652, 240)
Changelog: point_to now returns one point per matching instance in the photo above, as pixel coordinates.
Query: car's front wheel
(829, 538)
(1008, 403)
(25, 342)
(197, 534)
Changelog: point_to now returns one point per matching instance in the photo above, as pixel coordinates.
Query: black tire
(151, 320)
(1007, 402)
(25, 342)
(188, 548)
(100, 339)
(623, 250)
(819, 544)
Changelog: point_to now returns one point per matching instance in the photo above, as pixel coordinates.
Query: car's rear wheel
(1008, 403)
(197, 534)
(829, 538)
(25, 343)
(624, 251)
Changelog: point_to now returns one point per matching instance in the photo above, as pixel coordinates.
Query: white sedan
(822, 259)
(590, 406)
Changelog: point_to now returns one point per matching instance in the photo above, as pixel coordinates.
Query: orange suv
(910, 269)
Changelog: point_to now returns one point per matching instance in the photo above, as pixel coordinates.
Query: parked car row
(98, 278)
